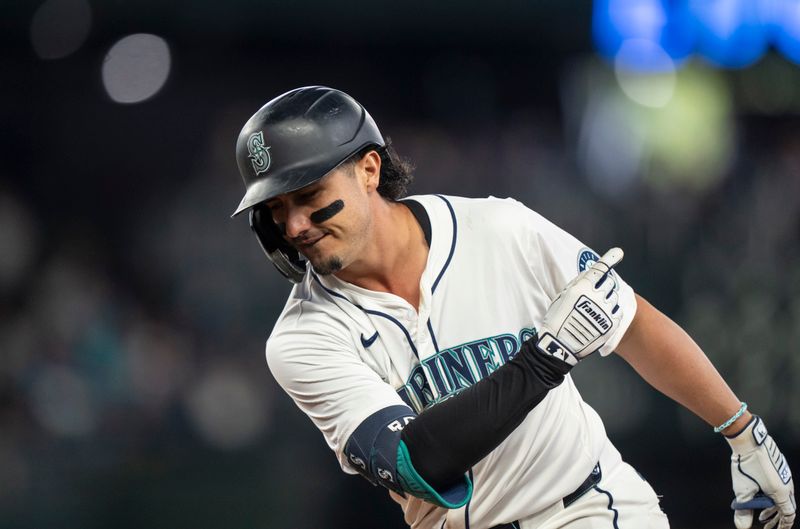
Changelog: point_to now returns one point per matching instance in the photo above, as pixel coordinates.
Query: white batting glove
(582, 317)
(761, 477)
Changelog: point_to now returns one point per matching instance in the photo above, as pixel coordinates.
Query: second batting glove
(760, 471)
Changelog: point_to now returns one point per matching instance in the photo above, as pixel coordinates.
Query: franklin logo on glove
(596, 315)
(581, 318)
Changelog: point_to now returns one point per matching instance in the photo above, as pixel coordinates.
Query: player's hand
(584, 315)
(760, 473)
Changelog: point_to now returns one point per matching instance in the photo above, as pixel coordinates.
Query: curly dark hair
(396, 172)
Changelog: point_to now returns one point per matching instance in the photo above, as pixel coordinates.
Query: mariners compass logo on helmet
(259, 155)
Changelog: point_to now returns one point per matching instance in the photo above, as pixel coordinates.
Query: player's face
(329, 221)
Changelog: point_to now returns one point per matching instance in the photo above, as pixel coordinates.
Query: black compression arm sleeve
(447, 439)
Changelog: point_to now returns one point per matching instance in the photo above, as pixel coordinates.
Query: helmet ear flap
(285, 258)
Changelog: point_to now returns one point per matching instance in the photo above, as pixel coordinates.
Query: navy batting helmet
(299, 137)
(291, 142)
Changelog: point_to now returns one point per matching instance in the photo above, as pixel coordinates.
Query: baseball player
(430, 338)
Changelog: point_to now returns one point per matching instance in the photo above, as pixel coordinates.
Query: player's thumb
(743, 519)
(609, 260)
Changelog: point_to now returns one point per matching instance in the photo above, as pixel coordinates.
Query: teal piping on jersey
(369, 311)
(416, 485)
(466, 509)
(452, 243)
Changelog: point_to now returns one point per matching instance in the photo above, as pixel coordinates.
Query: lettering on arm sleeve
(377, 453)
(372, 448)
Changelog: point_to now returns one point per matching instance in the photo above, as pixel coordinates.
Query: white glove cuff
(751, 437)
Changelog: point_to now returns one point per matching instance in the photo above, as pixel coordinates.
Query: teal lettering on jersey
(525, 335)
(457, 368)
(508, 346)
(418, 387)
(434, 369)
(486, 359)
(451, 370)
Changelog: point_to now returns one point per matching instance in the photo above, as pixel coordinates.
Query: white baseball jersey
(343, 352)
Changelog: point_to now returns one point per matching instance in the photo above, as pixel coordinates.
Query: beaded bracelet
(732, 420)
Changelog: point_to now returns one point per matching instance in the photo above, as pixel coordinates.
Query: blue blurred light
(642, 55)
(731, 33)
(658, 21)
(785, 28)
(680, 38)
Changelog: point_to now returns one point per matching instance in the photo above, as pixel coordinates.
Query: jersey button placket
(423, 338)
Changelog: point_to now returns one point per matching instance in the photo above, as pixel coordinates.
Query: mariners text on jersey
(457, 368)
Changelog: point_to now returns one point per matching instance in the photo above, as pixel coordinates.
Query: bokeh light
(731, 33)
(662, 24)
(785, 26)
(19, 242)
(136, 68)
(62, 402)
(652, 86)
(60, 27)
(611, 145)
(668, 131)
(227, 408)
(691, 138)
(728, 33)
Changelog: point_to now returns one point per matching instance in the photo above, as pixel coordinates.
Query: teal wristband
(732, 420)
(410, 481)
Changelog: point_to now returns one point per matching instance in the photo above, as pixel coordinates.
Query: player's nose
(297, 222)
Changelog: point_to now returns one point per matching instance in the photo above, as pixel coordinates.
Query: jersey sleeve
(318, 366)
(555, 257)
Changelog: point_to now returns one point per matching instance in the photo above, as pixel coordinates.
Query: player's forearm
(669, 360)
(430, 456)
(449, 438)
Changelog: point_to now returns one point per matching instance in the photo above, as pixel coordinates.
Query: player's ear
(370, 166)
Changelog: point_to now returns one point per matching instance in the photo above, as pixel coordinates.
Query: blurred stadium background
(133, 311)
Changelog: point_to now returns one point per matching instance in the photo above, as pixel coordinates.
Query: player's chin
(327, 266)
